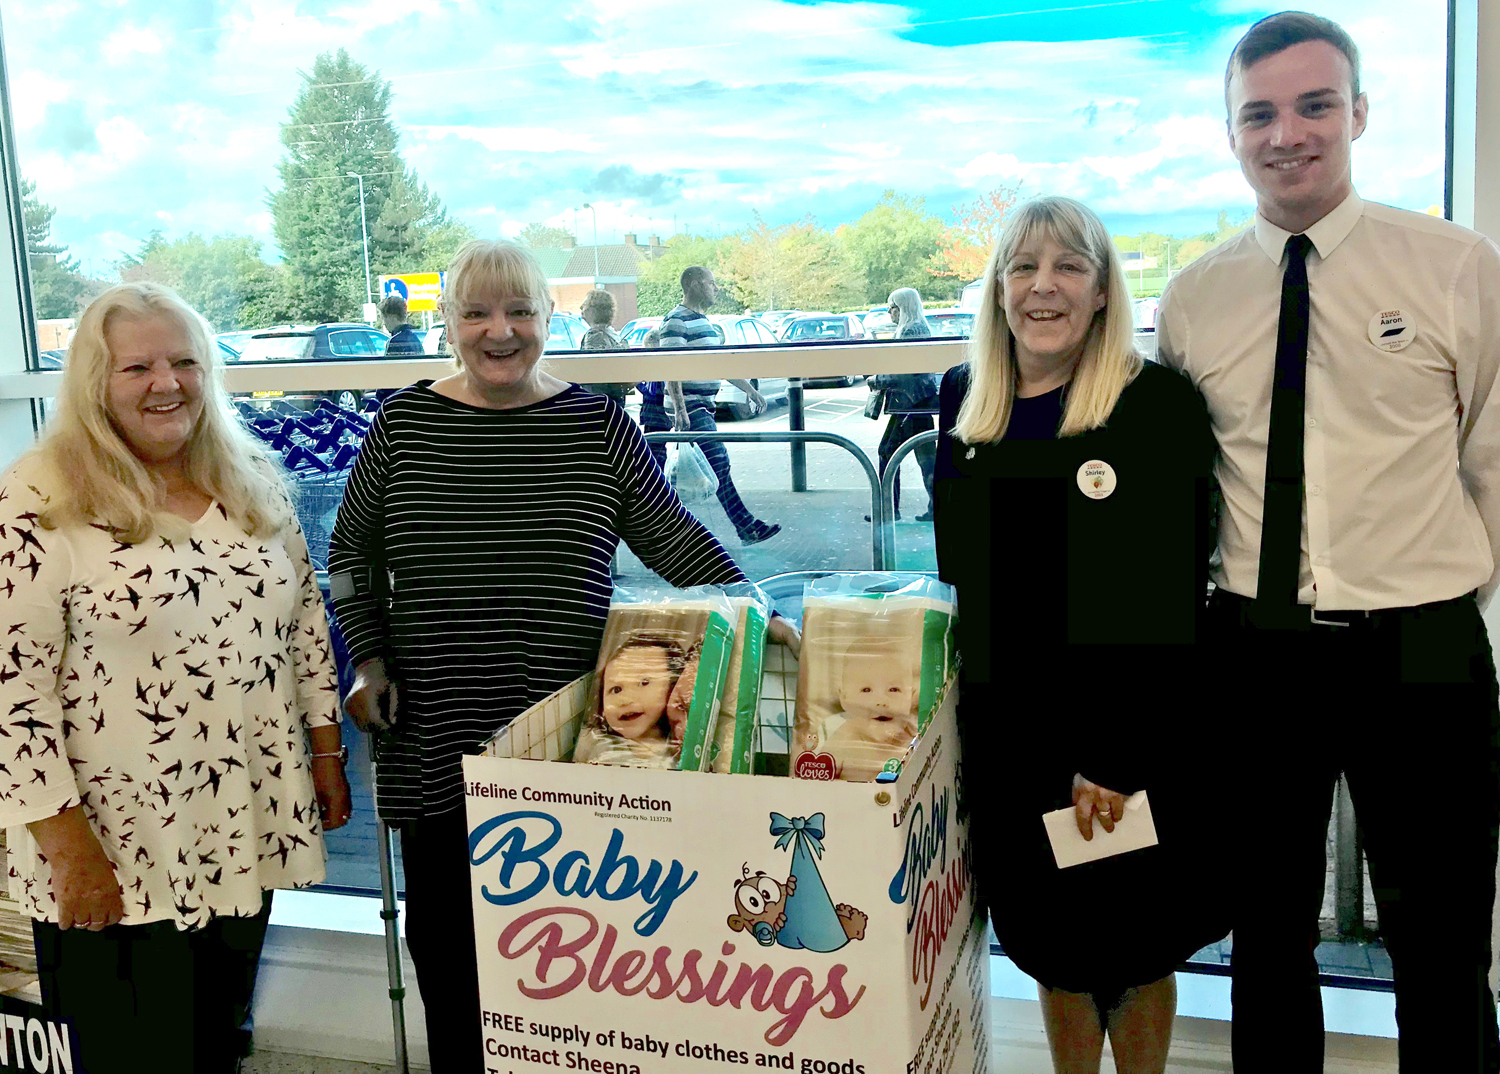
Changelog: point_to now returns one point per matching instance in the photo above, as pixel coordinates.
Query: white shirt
(166, 687)
(1402, 446)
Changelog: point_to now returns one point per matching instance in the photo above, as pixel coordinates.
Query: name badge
(1096, 479)
(1392, 330)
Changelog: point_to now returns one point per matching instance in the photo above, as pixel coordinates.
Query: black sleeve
(358, 543)
(950, 397)
(653, 521)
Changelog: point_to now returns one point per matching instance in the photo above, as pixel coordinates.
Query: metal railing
(888, 495)
(878, 528)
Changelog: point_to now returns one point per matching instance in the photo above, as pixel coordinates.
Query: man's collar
(1326, 234)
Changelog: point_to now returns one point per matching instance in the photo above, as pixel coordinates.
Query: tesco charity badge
(1096, 479)
(1392, 330)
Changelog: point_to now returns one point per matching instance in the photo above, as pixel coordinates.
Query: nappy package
(739, 704)
(655, 697)
(877, 659)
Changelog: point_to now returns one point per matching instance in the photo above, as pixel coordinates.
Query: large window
(278, 163)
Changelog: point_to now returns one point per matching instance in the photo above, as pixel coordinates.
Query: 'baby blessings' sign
(632, 921)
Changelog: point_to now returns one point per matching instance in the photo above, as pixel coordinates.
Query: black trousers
(1404, 706)
(135, 991)
(440, 937)
(899, 428)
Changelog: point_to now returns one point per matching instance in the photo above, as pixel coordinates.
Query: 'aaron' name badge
(1096, 479)
(1392, 330)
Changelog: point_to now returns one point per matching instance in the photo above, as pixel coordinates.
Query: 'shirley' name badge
(1096, 479)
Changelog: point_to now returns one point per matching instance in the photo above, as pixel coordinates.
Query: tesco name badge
(1096, 479)
(1392, 330)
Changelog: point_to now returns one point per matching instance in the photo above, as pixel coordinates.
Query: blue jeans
(654, 419)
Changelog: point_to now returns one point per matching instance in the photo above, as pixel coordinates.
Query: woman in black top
(495, 498)
(907, 392)
(1073, 517)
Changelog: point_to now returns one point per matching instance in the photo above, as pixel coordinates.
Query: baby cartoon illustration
(878, 699)
(645, 690)
(759, 902)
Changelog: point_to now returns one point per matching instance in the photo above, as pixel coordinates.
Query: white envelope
(1134, 831)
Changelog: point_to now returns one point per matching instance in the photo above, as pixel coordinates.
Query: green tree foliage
(965, 249)
(339, 123)
(1171, 253)
(402, 235)
(795, 266)
(659, 286)
(541, 237)
(58, 289)
(219, 277)
(895, 243)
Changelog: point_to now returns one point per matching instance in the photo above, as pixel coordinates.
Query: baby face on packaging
(876, 688)
(637, 683)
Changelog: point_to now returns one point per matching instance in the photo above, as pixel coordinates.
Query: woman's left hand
(332, 788)
(785, 631)
(1090, 799)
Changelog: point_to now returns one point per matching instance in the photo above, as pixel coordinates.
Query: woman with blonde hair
(181, 756)
(1073, 517)
(904, 394)
(470, 563)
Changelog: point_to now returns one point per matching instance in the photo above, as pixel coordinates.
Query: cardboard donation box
(638, 921)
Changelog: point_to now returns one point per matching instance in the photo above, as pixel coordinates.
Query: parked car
(951, 323)
(322, 342)
(1144, 310)
(231, 343)
(821, 328)
(634, 333)
(435, 340)
(314, 342)
(777, 318)
(566, 331)
(878, 323)
(972, 295)
(741, 331)
(51, 359)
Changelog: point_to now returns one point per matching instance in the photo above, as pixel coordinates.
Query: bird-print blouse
(165, 686)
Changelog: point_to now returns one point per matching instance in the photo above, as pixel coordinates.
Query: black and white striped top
(499, 526)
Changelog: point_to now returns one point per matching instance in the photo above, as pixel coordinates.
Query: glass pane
(265, 348)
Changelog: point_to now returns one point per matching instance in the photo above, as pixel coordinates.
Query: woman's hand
(332, 788)
(372, 700)
(785, 631)
(83, 878)
(1090, 799)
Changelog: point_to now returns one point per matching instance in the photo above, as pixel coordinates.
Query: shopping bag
(874, 404)
(690, 475)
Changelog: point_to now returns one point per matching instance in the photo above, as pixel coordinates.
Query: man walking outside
(693, 400)
(404, 338)
(1348, 353)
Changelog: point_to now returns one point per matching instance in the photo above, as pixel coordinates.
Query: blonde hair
(491, 266)
(101, 481)
(1109, 361)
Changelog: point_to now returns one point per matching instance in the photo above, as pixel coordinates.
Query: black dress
(1079, 621)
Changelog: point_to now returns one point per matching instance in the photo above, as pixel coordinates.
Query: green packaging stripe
(747, 704)
(713, 659)
(935, 630)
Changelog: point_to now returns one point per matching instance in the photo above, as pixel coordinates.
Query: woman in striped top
(492, 500)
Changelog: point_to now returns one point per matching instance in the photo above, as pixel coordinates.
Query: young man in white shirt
(1348, 353)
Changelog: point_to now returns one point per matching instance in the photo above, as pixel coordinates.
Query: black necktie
(1281, 528)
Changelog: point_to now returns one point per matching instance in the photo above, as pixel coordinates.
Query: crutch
(390, 915)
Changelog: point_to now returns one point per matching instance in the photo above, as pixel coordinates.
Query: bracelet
(342, 755)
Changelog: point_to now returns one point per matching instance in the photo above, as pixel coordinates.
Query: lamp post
(595, 215)
(365, 231)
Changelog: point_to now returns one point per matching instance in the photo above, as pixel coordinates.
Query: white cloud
(120, 140)
(129, 41)
(30, 96)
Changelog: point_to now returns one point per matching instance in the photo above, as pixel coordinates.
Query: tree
(58, 289)
(218, 277)
(541, 237)
(798, 266)
(444, 241)
(659, 285)
(402, 235)
(965, 248)
(893, 243)
(338, 124)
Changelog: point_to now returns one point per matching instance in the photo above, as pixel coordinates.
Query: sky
(667, 116)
